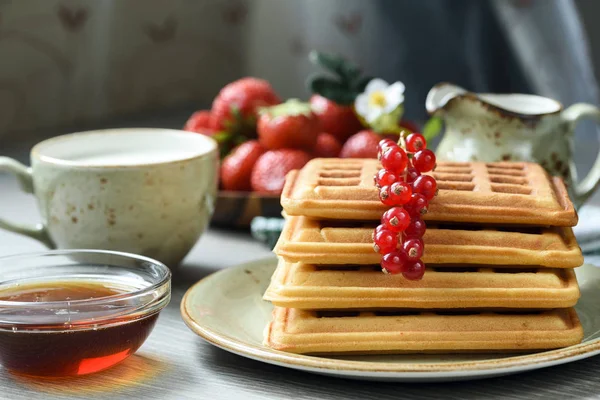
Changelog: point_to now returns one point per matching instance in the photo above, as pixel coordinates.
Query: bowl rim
(37, 151)
(165, 279)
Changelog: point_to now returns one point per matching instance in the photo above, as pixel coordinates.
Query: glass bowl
(79, 335)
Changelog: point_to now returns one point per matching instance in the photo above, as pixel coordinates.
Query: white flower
(379, 98)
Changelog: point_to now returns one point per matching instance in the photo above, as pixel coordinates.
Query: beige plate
(226, 309)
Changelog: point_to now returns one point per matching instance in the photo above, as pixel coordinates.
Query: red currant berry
(380, 227)
(384, 196)
(396, 219)
(416, 228)
(392, 263)
(414, 271)
(417, 206)
(385, 241)
(424, 160)
(400, 193)
(425, 185)
(385, 147)
(384, 143)
(412, 174)
(385, 178)
(415, 142)
(394, 159)
(413, 249)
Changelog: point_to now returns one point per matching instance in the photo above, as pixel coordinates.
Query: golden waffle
(299, 331)
(504, 193)
(364, 287)
(334, 242)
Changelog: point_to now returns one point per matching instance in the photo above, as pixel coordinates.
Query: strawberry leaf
(320, 84)
(239, 140)
(239, 125)
(331, 89)
(222, 137)
(345, 70)
(292, 107)
(330, 62)
(346, 87)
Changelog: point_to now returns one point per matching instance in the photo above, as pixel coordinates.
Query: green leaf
(224, 151)
(345, 70)
(291, 107)
(320, 83)
(239, 140)
(330, 62)
(347, 98)
(331, 89)
(235, 121)
(432, 128)
(239, 125)
(350, 73)
(222, 136)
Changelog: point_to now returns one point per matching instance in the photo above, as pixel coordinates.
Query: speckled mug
(513, 127)
(139, 190)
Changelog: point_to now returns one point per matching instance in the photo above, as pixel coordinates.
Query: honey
(68, 341)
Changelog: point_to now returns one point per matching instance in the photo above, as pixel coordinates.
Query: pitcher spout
(439, 96)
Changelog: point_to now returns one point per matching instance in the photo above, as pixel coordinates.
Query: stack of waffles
(499, 252)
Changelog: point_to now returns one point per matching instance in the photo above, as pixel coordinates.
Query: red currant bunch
(403, 187)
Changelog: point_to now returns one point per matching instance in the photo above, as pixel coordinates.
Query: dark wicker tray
(237, 209)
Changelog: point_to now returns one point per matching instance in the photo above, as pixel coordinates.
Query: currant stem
(402, 143)
(402, 140)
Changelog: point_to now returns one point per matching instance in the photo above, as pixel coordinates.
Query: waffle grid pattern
(513, 193)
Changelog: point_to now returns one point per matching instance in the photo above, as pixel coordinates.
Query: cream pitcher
(513, 127)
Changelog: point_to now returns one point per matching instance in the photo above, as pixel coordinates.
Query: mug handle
(24, 176)
(583, 188)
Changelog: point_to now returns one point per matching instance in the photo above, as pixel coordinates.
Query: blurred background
(69, 65)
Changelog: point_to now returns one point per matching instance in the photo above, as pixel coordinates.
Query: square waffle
(499, 193)
(337, 242)
(316, 287)
(300, 331)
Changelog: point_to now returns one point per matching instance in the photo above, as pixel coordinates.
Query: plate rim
(330, 365)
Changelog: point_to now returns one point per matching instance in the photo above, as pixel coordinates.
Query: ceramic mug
(140, 190)
(513, 127)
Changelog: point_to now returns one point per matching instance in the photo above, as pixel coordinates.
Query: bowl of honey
(75, 312)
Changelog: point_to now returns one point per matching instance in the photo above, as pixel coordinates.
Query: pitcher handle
(24, 176)
(583, 188)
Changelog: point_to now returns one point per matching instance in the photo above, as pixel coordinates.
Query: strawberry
(199, 122)
(268, 175)
(327, 146)
(236, 168)
(288, 125)
(240, 100)
(338, 120)
(363, 144)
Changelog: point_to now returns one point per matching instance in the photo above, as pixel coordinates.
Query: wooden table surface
(174, 363)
